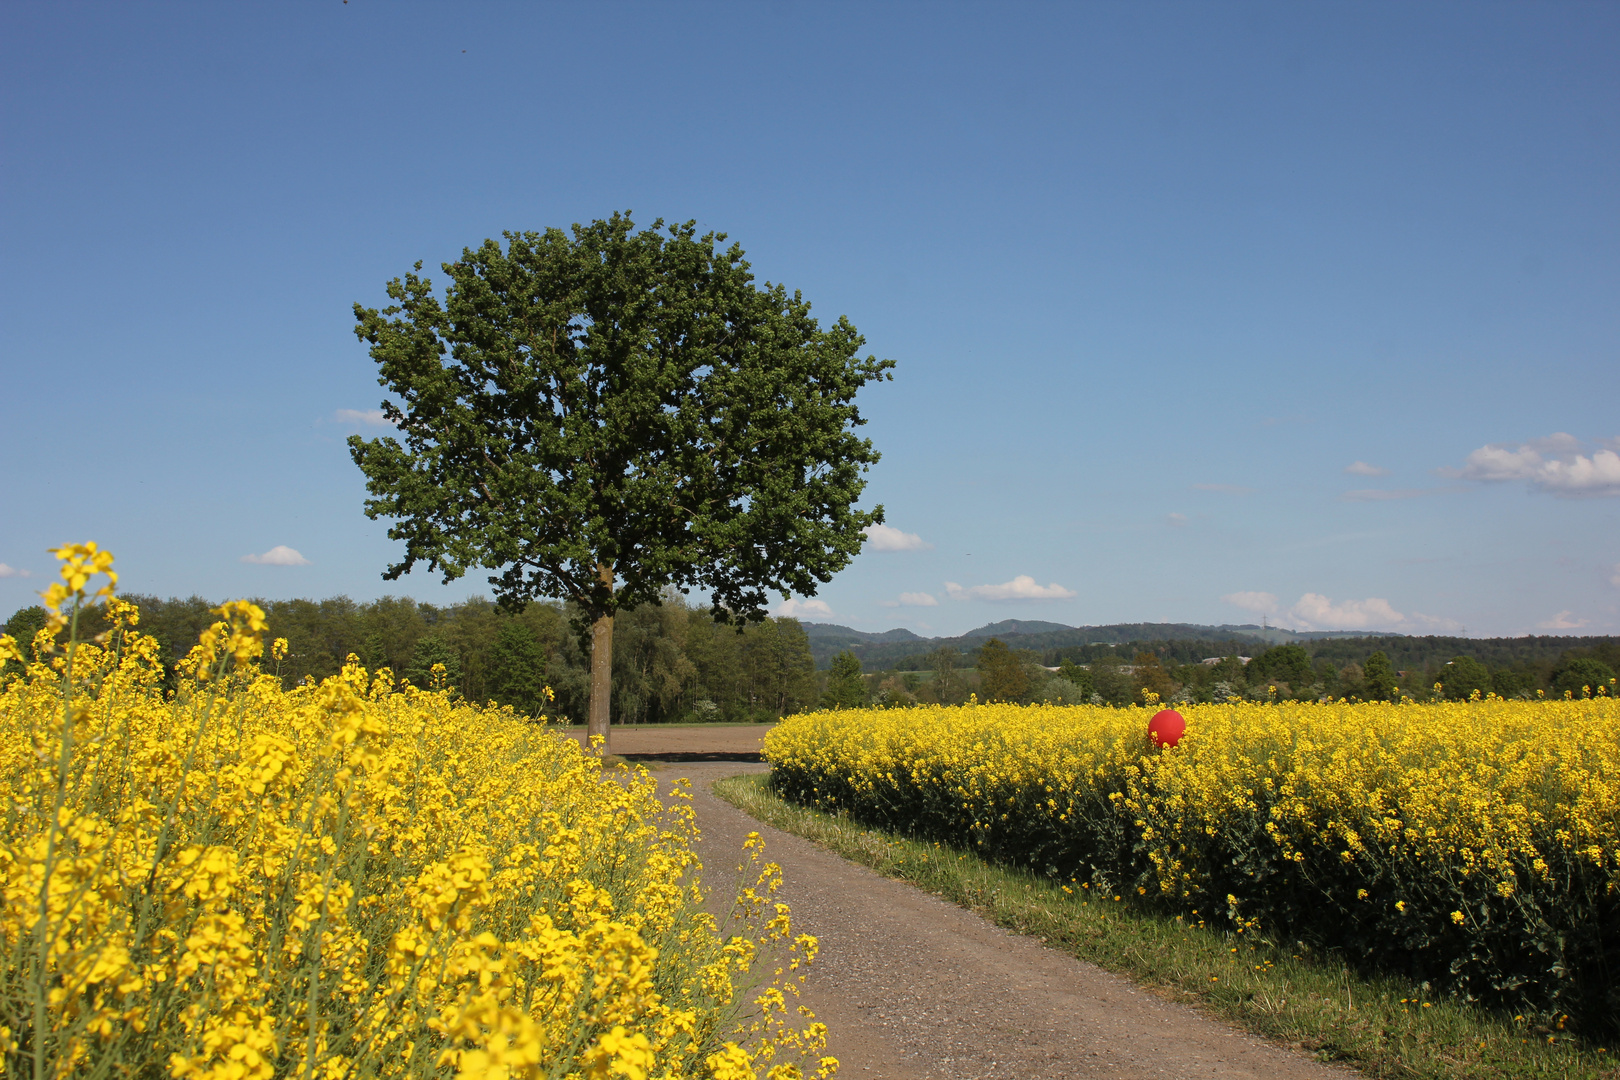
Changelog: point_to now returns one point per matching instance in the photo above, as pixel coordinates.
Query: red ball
(1167, 727)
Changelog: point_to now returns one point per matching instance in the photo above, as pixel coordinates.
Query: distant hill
(1017, 626)
(1181, 643)
(821, 629)
(829, 639)
(904, 648)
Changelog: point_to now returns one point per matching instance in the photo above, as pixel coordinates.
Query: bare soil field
(684, 742)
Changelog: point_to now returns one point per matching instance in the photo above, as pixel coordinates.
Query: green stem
(43, 926)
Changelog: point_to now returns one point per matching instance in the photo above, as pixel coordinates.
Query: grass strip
(1383, 1027)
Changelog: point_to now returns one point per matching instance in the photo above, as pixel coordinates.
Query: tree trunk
(601, 679)
(601, 672)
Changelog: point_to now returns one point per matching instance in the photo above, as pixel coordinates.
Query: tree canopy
(1463, 677)
(602, 414)
(1001, 672)
(1379, 677)
(845, 687)
(1286, 663)
(1582, 675)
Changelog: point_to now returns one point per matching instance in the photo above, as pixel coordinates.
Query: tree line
(1531, 653)
(672, 662)
(1115, 676)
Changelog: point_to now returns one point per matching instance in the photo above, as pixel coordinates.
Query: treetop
(600, 413)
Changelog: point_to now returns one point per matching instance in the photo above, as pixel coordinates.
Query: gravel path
(912, 986)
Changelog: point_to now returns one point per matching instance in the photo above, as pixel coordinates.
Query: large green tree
(846, 689)
(1284, 663)
(1462, 676)
(1378, 678)
(1002, 676)
(600, 414)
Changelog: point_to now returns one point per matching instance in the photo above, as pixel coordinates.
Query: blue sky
(1201, 311)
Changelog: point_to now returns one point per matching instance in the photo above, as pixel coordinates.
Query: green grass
(1383, 1027)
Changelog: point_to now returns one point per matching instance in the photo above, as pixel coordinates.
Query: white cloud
(1436, 623)
(1022, 587)
(12, 571)
(1361, 468)
(362, 417)
(1554, 464)
(1261, 603)
(1317, 612)
(913, 599)
(795, 608)
(1225, 489)
(280, 555)
(885, 538)
(1564, 620)
(1176, 521)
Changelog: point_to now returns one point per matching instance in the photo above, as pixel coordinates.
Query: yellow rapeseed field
(1473, 845)
(228, 880)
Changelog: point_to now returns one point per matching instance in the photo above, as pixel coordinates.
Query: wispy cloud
(280, 555)
(1361, 468)
(795, 608)
(361, 417)
(1022, 587)
(913, 599)
(1176, 521)
(1261, 603)
(12, 571)
(1557, 464)
(1225, 489)
(1435, 623)
(1317, 612)
(1564, 620)
(1313, 611)
(885, 538)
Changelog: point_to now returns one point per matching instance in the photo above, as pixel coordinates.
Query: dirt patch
(915, 988)
(684, 742)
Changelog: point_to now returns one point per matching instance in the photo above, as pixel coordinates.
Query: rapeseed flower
(1472, 844)
(222, 879)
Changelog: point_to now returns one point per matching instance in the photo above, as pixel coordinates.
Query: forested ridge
(1180, 643)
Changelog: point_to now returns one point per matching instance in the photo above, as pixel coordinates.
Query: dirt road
(914, 987)
(685, 741)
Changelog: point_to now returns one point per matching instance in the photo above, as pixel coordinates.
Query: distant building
(1211, 661)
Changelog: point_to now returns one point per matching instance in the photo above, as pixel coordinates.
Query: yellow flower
(341, 880)
(1488, 801)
